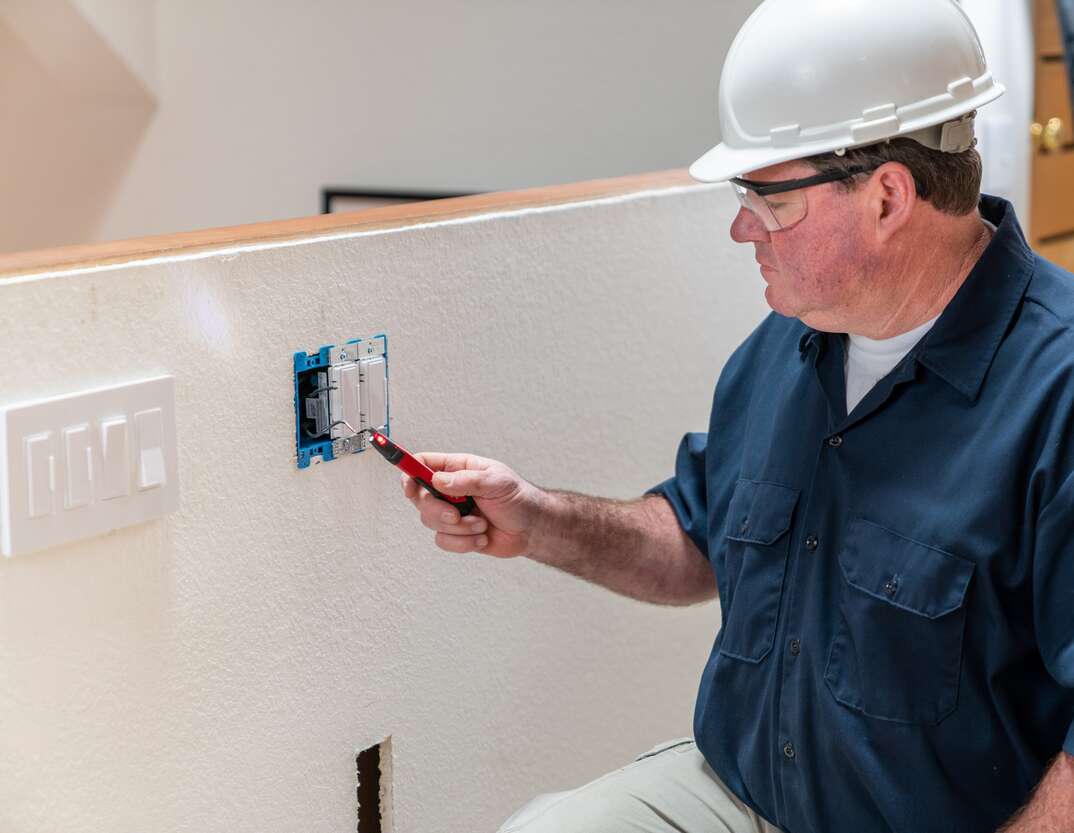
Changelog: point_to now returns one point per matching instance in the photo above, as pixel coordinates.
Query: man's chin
(772, 298)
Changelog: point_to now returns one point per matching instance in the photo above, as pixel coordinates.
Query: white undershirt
(868, 360)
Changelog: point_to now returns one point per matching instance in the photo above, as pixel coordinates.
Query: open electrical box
(341, 391)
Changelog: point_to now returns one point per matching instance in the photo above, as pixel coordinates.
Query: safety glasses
(780, 205)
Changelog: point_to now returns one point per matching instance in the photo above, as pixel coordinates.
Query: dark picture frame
(335, 199)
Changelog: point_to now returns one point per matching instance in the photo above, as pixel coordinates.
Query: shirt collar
(961, 345)
(810, 338)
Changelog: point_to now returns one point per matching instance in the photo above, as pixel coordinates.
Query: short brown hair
(951, 182)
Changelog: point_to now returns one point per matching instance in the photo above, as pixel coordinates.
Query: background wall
(205, 113)
(218, 670)
(1006, 31)
(138, 117)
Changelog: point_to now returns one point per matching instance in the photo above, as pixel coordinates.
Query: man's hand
(510, 506)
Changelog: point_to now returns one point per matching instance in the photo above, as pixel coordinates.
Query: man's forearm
(635, 548)
(1051, 808)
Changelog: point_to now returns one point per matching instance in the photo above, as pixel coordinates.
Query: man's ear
(892, 198)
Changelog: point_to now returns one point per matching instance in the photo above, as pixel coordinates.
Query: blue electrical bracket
(317, 412)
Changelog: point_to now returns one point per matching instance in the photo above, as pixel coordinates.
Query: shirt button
(835, 441)
(745, 526)
(796, 647)
(788, 750)
(891, 585)
(812, 542)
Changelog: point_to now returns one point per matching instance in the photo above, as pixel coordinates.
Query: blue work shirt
(897, 584)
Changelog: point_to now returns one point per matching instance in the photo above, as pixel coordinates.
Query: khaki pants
(670, 789)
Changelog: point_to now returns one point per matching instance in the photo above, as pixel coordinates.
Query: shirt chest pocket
(897, 649)
(758, 520)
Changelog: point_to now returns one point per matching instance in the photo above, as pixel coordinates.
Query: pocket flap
(759, 512)
(902, 572)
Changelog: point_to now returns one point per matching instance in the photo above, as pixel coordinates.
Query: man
(885, 497)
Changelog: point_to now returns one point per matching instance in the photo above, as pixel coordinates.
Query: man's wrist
(546, 508)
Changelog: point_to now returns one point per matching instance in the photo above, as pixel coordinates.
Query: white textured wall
(1006, 31)
(255, 106)
(217, 671)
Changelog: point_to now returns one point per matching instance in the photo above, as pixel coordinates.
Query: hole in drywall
(374, 788)
(369, 815)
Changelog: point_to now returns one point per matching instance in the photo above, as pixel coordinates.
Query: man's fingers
(440, 514)
(455, 475)
(461, 543)
(489, 483)
(448, 520)
(458, 482)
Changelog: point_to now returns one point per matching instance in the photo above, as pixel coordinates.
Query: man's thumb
(457, 483)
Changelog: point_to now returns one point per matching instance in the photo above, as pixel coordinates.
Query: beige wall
(140, 117)
(1006, 31)
(217, 671)
(146, 116)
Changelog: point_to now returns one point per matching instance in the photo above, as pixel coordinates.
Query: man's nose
(748, 228)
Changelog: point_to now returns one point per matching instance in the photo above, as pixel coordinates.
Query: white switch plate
(79, 465)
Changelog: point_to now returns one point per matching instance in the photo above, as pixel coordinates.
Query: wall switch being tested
(341, 392)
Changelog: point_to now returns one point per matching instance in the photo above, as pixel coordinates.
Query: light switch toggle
(152, 472)
(374, 393)
(78, 456)
(40, 474)
(115, 476)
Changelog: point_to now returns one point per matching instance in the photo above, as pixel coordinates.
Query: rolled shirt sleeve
(686, 491)
(707, 464)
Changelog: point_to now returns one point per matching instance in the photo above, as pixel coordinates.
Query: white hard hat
(805, 77)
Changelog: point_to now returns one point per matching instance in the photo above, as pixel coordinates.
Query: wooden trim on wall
(1053, 98)
(394, 216)
(1049, 36)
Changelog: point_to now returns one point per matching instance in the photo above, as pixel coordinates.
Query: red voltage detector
(408, 463)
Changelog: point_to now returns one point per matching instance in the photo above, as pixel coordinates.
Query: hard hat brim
(723, 162)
